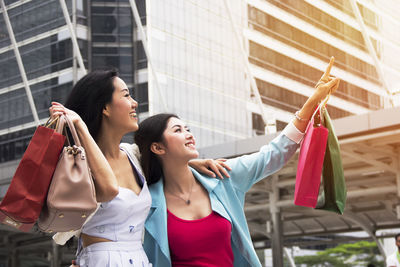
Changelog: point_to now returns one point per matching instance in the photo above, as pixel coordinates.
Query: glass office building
(198, 74)
(291, 41)
(46, 52)
(106, 39)
(199, 70)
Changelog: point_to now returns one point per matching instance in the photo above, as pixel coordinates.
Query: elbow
(108, 193)
(112, 192)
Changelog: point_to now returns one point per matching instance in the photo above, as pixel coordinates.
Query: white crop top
(123, 217)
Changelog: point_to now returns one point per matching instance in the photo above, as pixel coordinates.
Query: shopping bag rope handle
(321, 105)
(51, 121)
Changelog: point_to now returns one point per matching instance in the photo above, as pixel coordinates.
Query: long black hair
(89, 97)
(151, 130)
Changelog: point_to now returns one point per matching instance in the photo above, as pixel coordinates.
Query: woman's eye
(127, 95)
(177, 130)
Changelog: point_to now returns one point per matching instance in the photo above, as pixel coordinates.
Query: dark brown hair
(151, 130)
(89, 97)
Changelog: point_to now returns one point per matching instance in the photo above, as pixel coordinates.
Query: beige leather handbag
(71, 197)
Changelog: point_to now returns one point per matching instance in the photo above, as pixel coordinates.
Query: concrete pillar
(13, 257)
(55, 255)
(398, 181)
(277, 227)
(74, 54)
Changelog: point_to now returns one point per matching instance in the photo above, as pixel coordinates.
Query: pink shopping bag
(311, 159)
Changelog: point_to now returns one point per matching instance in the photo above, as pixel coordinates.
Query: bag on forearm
(72, 196)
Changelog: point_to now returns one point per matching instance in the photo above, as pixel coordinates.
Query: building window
(258, 124)
(140, 94)
(13, 145)
(295, 70)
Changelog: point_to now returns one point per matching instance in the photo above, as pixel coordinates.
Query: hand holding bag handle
(71, 198)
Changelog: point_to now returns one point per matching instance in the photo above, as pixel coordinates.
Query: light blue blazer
(227, 198)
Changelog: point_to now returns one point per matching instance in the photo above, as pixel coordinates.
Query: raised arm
(249, 169)
(104, 179)
(326, 85)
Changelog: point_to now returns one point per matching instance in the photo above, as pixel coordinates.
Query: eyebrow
(180, 126)
(125, 89)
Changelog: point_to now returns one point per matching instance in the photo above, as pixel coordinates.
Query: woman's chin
(195, 154)
(134, 127)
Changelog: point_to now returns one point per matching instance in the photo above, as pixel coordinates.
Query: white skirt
(113, 254)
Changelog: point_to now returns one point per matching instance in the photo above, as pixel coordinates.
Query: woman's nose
(134, 103)
(189, 135)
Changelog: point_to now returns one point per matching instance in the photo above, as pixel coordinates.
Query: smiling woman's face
(121, 112)
(179, 141)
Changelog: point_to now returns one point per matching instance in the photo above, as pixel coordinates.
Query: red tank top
(204, 242)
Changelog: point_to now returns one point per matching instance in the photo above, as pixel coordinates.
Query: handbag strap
(71, 126)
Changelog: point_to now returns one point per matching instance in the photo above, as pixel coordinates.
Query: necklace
(187, 201)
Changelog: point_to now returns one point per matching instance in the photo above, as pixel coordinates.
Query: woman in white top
(103, 111)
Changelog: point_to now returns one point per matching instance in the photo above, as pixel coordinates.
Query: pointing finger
(328, 69)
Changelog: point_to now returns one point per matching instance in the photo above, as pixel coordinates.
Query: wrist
(307, 110)
(299, 117)
(80, 126)
(310, 105)
(314, 99)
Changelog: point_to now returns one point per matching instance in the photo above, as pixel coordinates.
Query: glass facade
(291, 68)
(306, 33)
(115, 46)
(46, 53)
(105, 35)
(200, 68)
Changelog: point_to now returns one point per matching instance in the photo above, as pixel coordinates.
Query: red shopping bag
(26, 194)
(311, 159)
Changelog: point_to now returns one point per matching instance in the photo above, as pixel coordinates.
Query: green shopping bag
(333, 195)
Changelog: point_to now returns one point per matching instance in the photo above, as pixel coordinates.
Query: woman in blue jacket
(198, 221)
